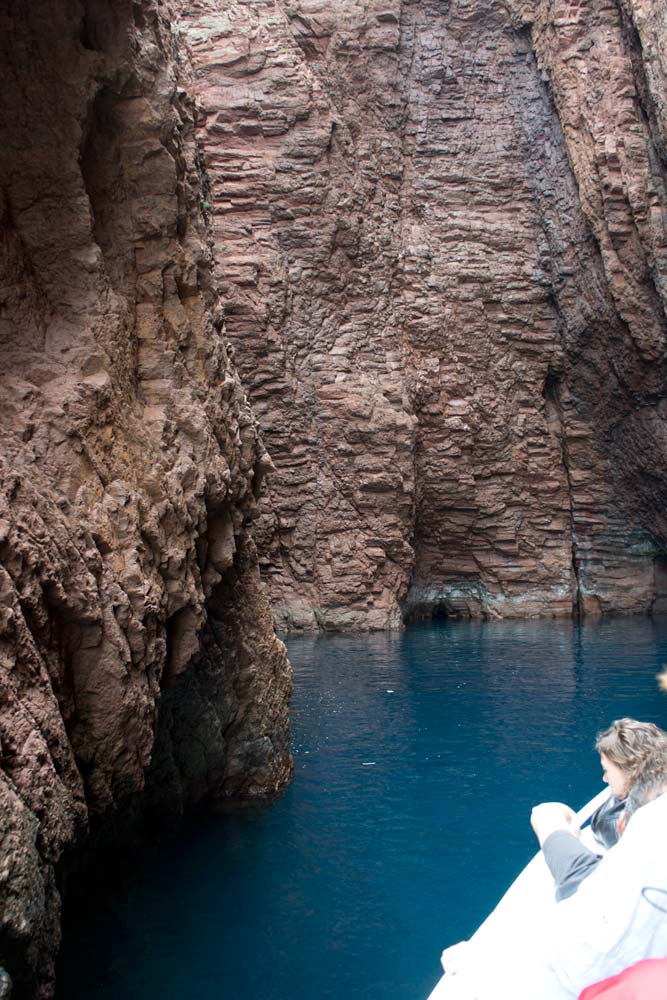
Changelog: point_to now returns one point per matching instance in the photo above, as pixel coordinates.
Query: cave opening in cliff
(440, 612)
(430, 611)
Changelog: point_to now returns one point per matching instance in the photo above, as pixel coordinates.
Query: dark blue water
(417, 759)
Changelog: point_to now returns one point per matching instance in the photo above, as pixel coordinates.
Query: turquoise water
(417, 759)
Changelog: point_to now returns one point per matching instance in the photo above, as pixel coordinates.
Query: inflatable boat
(529, 895)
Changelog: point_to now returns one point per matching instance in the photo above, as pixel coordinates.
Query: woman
(622, 748)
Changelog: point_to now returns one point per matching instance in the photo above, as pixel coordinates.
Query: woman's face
(614, 776)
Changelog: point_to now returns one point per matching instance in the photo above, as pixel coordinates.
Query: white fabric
(534, 949)
(607, 924)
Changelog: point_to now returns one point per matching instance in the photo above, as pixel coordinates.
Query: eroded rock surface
(440, 235)
(129, 466)
(440, 241)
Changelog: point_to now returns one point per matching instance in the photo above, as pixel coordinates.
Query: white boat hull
(517, 914)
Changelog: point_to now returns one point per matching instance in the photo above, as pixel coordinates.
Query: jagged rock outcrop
(129, 467)
(439, 238)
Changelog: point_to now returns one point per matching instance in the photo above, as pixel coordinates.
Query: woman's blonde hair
(627, 743)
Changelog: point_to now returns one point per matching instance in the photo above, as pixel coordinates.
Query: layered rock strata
(439, 238)
(138, 666)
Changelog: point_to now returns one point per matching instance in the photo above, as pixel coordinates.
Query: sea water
(417, 759)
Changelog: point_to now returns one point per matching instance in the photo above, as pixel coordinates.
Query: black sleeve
(569, 861)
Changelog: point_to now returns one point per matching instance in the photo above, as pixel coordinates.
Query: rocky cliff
(440, 240)
(439, 270)
(139, 672)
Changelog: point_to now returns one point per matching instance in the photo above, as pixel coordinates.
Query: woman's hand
(551, 816)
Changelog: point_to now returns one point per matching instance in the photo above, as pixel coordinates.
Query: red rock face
(129, 465)
(440, 264)
(439, 238)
